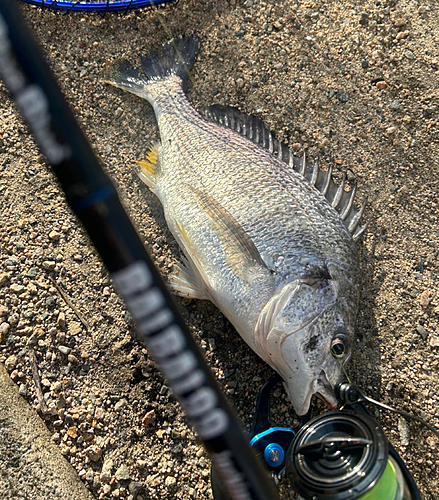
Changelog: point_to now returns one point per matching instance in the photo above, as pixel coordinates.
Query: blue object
(96, 6)
(274, 454)
(273, 444)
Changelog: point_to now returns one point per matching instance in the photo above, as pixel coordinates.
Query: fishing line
(350, 394)
(405, 414)
(341, 365)
(362, 397)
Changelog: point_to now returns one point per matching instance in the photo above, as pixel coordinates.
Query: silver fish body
(261, 238)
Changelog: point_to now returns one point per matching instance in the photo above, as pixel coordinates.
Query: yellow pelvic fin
(149, 167)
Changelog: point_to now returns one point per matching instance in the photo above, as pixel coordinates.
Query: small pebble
(399, 22)
(142, 463)
(404, 431)
(402, 34)
(16, 288)
(72, 432)
(4, 329)
(240, 83)
(64, 349)
(381, 85)
(149, 418)
(32, 273)
(120, 404)
(61, 320)
(432, 442)
(72, 359)
(53, 235)
(395, 105)
(422, 331)
(122, 473)
(390, 130)
(170, 482)
(425, 298)
(107, 467)
(94, 452)
(49, 265)
(11, 362)
(342, 96)
(74, 328)
(12, 263)
(50, 301)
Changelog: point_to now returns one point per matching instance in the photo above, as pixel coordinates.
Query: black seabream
(268, 237)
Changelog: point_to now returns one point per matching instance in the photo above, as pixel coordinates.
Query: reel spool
(344, 456)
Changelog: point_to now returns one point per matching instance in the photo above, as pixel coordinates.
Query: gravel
(354, 85)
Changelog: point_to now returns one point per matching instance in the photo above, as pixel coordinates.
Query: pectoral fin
(241, 252)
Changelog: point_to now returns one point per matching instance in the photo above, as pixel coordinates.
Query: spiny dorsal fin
(253, 129)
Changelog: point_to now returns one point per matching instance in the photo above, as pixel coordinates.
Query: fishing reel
(341, 455)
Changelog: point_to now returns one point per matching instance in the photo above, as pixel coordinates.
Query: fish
(267, 236)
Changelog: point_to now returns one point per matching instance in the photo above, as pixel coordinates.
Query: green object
(386, 487)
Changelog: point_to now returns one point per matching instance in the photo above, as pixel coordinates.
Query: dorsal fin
(252, 128)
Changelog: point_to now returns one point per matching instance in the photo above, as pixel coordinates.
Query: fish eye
(339, 346)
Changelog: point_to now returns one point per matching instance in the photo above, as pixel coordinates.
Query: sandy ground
(355, 84)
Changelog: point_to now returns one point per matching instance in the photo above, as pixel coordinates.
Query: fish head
(305, 333)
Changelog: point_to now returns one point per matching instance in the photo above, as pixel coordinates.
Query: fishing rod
(94, 200)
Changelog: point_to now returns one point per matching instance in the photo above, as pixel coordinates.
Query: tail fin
(176, 59)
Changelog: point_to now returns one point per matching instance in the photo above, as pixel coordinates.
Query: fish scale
(262, 230)
(283, 199)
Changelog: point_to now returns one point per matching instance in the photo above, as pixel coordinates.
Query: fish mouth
(326, 392)
(319, 386)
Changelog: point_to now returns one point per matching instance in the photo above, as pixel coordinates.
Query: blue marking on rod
(91, 199)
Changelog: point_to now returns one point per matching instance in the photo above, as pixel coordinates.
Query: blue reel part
(273, 445)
